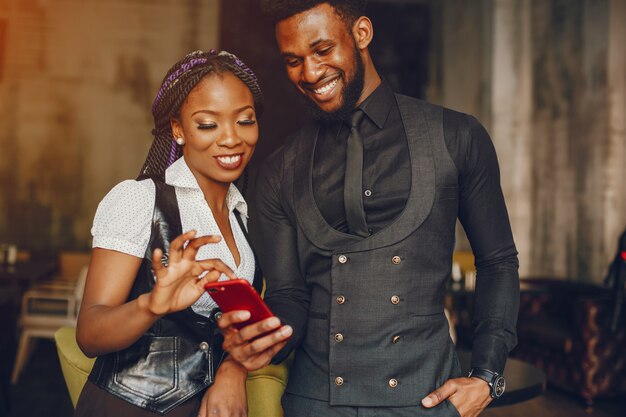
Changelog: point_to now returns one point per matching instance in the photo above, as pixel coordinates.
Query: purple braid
(241, 64)
(174, 76)
(173, 152)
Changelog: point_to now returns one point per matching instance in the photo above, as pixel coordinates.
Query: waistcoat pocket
(149, 370)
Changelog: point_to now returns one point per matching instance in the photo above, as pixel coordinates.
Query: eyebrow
(312, 45)
(239, 110)
(317, 42)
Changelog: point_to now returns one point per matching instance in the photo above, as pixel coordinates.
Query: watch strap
(496, 381)
(484, 374)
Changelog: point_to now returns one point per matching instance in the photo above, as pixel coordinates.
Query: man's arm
(483, 214)
(286, 294)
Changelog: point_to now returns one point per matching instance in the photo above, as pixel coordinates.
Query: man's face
(322, 60)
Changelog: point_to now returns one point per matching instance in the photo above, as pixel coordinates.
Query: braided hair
(177, 84)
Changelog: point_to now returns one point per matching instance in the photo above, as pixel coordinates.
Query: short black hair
(348, 10)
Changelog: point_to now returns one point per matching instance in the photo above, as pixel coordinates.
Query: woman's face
(219, 128)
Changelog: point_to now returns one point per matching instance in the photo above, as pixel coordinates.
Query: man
(359, 281)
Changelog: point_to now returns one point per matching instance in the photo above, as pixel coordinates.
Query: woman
(145, 313)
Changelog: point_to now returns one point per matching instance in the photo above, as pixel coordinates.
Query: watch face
(499, 386)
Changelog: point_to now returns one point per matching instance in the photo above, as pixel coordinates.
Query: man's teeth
(229, 159)
(327, 87)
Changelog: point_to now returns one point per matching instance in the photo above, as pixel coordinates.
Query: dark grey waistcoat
(377, 334)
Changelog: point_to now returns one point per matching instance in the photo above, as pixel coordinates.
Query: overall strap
(166, 226)
(167, 216)
(257, 283)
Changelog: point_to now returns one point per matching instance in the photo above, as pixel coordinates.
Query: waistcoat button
(395, 299)
(396, 260)
(204, 346)
(342, 259)
(368, 193)
(393, 382)
(339, 381)
(339, 337)
(341, 299)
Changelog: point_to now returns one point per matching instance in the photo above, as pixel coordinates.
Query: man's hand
(470, 396)
(227, 396)
(255, 345)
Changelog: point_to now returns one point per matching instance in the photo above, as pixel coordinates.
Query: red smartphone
(238, 294)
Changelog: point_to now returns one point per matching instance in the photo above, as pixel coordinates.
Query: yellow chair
(265, 387)
(74, 364)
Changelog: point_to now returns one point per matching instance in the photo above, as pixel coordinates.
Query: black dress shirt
(386, 166)
(387, 174)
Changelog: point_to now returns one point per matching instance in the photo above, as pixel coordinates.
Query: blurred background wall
(77, 78)
(546, 77)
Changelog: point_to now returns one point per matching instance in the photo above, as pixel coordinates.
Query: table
(523, 380)
(22, 275)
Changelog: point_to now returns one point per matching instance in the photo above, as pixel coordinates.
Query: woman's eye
(247, 122)
(207, 126)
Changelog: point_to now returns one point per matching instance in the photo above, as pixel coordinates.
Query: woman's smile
(229, 161)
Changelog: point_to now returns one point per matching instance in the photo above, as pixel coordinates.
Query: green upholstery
(265, 386)
(74, 364)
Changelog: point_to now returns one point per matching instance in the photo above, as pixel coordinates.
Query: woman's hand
(227, 396)
(108, 322)
(177, 285)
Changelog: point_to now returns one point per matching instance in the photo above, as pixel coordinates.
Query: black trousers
(96, 402)
(297, 406)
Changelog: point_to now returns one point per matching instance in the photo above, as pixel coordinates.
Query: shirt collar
(179, 175)
(379, 104)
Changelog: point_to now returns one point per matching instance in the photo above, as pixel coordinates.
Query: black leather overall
(178, 356)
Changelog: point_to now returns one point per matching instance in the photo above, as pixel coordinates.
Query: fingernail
(427, 402)
(286, 331)
(272, 322)
(244, 315)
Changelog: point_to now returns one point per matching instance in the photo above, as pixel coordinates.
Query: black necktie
(353, 188)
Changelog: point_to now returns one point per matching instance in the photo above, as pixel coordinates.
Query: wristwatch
(497, 383)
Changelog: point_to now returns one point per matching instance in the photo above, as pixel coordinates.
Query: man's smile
(322, 90)
(326, 88)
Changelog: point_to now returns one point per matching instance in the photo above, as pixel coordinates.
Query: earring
(180, 141)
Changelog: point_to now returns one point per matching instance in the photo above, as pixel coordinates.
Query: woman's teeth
(229, 160)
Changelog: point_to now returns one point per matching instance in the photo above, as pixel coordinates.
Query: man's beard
(349, 96)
